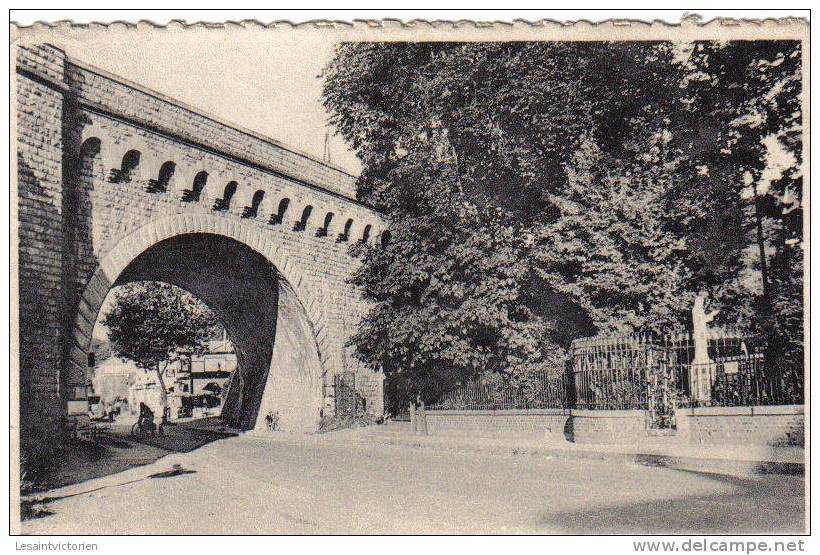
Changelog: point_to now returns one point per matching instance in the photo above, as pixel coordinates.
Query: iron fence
(622, 371)
(610, 372)
(745, 381)
(642, 372)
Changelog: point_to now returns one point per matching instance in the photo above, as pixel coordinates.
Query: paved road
(324, 484)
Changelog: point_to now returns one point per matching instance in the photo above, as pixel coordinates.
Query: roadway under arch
(279, 364)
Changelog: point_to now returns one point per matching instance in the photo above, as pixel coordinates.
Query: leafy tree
(541, 191)
(101, 349)
(746, 97)
(610, 250)
(447, 288)
(463, 145)
(154, 323)
(670, 210)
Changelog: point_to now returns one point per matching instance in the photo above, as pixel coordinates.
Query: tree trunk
(163, 391)
(761, 245)
(774, 342)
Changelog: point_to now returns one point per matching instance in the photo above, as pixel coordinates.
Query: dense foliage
(152, 323)
(537, 192)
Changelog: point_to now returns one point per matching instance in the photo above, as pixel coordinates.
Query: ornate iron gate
(661, 396)
(344, 385)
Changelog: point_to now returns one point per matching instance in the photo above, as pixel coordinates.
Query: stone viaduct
(117, 183)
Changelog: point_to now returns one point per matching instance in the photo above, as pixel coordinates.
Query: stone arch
(88, 132)
(346, 232)
(299, 299)
(223, 203)
(368, 229)
(252, 209)
(198, 184)
(88, 166)
(127, 170)
(115, 153)
(91, 146)
(161, 183)
(92, 132)
(302, 223)
(279, 216)
(324, 230)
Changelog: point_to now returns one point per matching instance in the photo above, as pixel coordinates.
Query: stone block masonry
(711, 426)
(767, 425)
(608, 426)
(111, 174)
(41, 240)
(552, 422)
(100, 90)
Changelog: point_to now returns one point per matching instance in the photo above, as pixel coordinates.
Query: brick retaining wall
(770, 425)
(608, 426)
(533, 421)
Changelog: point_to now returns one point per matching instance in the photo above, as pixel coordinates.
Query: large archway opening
(279, 374)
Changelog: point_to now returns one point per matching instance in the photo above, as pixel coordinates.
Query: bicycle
(143, 427)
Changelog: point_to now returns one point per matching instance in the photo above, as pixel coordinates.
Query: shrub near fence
(539, 391)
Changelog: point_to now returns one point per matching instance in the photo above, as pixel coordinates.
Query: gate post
(413, 417)
(422, 420)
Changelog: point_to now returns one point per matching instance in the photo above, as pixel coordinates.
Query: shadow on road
(176, 470)
(768, 504)
(179, 438)
(36, 508)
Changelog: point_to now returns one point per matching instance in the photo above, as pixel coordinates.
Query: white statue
(701, 377)
(700, 330)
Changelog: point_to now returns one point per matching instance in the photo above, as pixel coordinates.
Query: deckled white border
(689, 28)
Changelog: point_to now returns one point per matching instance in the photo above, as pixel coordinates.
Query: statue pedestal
(701, 377)
(702, 370)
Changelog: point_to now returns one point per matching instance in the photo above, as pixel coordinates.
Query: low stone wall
(532, 421)
(580, 426)
(768, 425)
(607, 426)
(753, 426)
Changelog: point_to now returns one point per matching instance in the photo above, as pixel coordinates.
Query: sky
(269, 86)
